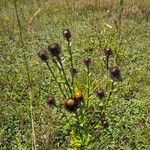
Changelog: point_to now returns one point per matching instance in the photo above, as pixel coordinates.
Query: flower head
(78, 96)
(43, 55)
(100, 93)
(105, 123)
(115, 73)
(67, 34)
(54, 49)
(70, 104)
(50, 101)
(87, 61)
(107, 51)
(73, 71)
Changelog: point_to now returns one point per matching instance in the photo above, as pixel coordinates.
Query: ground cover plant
(74, 75)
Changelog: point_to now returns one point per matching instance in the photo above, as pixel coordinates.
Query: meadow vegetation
(74, 74)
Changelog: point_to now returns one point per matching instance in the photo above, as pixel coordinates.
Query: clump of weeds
(90, 87)
(83, 110)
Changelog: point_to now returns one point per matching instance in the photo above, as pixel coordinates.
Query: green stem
(22, 42)
(67, 83)
(71, 62)
(110, 93)
(78, 128)
(60, 71)
(59, 85)
(28, 75)
(88, 85)
(107, 63)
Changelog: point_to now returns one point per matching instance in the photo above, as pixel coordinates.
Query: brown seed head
(73, 71)
(105, 123)
(50, 101)
(100, 93)
(87, 61)
(107, 51)
(78, 97)
(43, 55)
(70, 105)
(67, 34)
(54, 49)
(115, 73)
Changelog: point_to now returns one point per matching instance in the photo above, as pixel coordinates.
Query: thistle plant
(51, 101)
(107, 54)
(67, 35)
(83, 114)
(87, 62)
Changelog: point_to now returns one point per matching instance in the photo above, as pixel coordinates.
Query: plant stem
(67, 83)
(71, 62)
(107, 62)
(78, 127)
(88, 85)
(107, 68)
(60, 71)
(110, 93)
(22, 42)
(59, 85)
(28, 75)
(120, 17)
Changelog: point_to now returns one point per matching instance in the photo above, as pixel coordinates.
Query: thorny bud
(107, 52)
(87, 61)
(105, 123)
(43, 55)
(54, 49)
(70, 104)
(67, 34)
(73, 71)
(100, 93)
(115, 73)
(78, 96)
(50, 101)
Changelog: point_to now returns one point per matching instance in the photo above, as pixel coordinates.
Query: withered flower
(70, 105)
(43, 55)
(54, 49)
(105, 123)
(78, 97)
(115, 73)
(73, 71)
(87, 61)
(100, 93)
(67, 34)
(50, 101)
(107, 52)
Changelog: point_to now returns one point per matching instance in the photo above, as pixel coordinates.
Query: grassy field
(118, 121)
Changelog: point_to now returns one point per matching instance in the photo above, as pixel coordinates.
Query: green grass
(26, 121)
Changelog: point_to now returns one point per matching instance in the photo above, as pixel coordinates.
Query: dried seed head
(70, 104)
(115, 73)
(100, 93)
(107, 51)
(67, 34)
(50, 101)
(73, 71)
(54, 49)
(87, 61)
(105, 123)
(78, 96)
(43, 55)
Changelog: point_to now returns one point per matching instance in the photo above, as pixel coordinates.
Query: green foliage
(27, 122)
